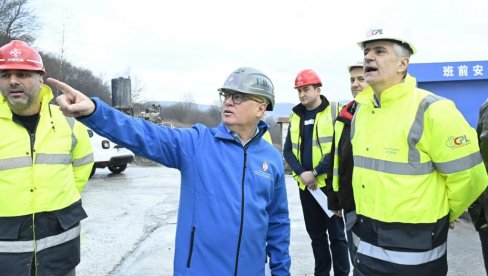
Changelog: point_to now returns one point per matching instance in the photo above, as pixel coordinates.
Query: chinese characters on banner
(462, 71)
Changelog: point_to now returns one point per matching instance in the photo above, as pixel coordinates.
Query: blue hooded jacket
(233, 209)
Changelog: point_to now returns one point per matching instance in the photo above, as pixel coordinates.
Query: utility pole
(61, 62)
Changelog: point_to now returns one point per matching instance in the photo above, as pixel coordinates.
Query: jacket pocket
(415, 238)
(10, 228)
(71, 215)
(192, 240)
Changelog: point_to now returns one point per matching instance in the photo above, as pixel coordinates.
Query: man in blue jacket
(233, 208)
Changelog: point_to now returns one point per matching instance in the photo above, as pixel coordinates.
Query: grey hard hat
(248, 80)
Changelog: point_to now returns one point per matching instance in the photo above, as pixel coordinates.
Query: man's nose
(368, 57)
(13, 81)
(229, 101)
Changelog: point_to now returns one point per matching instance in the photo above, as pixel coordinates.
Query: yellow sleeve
(82, 156)
(455, 154)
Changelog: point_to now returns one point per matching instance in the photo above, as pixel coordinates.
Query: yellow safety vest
(48, 175)
(321, 140)
(267, 137)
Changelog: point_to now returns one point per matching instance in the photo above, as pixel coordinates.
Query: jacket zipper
(191, 247)
(242, 211)
(32, 136)
(32, 140)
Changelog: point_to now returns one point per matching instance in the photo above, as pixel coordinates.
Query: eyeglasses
(237, 98)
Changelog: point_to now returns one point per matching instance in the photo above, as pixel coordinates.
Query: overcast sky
(185, 49)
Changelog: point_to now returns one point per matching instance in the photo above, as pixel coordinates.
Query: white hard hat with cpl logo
(390, 34)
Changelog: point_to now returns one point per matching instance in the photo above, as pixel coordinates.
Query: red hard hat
(307, 77)
(17, 55)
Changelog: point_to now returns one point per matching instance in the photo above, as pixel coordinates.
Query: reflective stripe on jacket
(321, 141)
(417, 165)
(48, 239)
(45, 172)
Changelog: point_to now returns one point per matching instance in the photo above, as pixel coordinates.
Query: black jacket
(291, 159)
(479, 209)
(344, 197)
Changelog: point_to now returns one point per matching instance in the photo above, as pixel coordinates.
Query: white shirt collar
(238, 138)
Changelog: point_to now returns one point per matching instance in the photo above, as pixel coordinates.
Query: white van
(108, 154)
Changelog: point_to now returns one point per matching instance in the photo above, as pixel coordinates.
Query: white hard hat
(357, 64)
(398, 36)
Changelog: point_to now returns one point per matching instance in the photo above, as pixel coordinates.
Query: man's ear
(403, 64)
(261, 109)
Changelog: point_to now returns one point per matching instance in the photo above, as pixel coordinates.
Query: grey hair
(401, 51)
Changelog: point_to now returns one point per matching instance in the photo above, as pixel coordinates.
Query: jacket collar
(45, 96)
(390, 95)
(300, 109)
(224, 133)
(347, 112)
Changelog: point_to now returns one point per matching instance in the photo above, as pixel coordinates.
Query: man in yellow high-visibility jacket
(45, 161)
(417, 165)
(307, 150)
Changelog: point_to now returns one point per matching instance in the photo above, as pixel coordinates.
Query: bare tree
(211, 117)
(174, 113)
(82, 79)
(17, 21)
(137, 88)
(188, 109)
(61, 59)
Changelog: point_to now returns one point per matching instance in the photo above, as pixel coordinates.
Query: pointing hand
(72, 102)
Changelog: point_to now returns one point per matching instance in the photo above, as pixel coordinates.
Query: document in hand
(322, 200)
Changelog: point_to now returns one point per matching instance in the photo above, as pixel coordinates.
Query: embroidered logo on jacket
(264, 173)
(456, 142)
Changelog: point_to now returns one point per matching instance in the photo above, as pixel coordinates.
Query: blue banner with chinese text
(449, 71)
